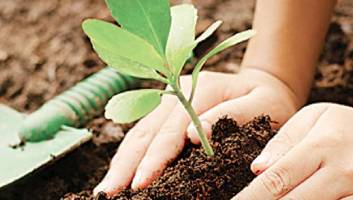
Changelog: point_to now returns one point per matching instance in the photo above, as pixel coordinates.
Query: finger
(242, 109)
(285, 174)
(133, 147)
(289, 135)
(347, 198)
(211, 116)
(329, 180)
(167, 144)
(171, 138)
(219, 94)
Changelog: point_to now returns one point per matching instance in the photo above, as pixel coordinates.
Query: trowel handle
(76, 105)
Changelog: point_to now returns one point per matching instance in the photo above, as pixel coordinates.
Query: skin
(318, 141)
(158, 138)
(275, 78)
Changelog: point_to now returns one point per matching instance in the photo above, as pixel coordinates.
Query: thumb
(241, 109)
(289, 135)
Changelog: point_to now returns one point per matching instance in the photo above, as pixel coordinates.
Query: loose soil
(196, 176)
(43, 52)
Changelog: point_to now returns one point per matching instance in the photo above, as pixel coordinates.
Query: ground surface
(43, 52)
(195, 176)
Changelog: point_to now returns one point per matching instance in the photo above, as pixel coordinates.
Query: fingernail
(205, 126)
(260, 163)
(137, 180)
(101, 187)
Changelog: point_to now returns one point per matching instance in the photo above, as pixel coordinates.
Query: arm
(284, 52)
(311, 152)
(289, 40)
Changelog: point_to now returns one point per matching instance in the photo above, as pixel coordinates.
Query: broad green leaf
(126, 65)
(235, 39)
(149, 19)
(210, 30)
(123, 44)
(132, 105)
(181, 57)
(181, 40)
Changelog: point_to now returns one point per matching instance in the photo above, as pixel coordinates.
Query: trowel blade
(10, 122)
(17, 162)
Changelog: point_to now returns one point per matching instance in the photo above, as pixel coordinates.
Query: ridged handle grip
(75, 106)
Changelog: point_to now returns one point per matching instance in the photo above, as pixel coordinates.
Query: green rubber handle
(75, 106)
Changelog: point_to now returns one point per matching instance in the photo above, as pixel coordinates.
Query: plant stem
(195, 119)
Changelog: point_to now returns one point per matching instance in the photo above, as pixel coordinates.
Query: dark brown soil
(197, 176)
(43, 52)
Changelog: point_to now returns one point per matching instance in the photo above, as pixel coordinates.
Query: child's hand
(310, 158)
(158, 138)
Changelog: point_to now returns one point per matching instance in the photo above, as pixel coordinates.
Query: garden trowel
(29, 141)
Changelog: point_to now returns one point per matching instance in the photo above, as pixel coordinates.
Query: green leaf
(132, 105)
(235, 39)
(181, 40)
(122, 43)
(126, 65)
(149, 19)
(210, 30)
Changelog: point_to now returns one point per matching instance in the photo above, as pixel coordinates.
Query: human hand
(310, 158)
(159, 137)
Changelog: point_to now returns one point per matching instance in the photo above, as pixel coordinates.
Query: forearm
(290, 34)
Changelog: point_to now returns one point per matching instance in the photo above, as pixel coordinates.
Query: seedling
(153, 41)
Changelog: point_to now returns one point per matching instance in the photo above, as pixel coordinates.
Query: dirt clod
(43, 51)
(196, 176)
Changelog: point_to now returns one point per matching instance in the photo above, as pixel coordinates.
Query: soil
(43, 51)
(196, 176)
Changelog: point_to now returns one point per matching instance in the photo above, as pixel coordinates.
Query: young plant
(153, 42)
